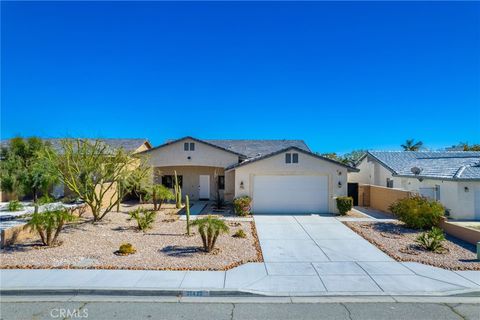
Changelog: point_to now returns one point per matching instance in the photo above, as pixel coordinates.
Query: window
(295, 157)
(389, 183)
(221, 182)
(288, 158)
(168, 181)
(291, 157)
(189, 146)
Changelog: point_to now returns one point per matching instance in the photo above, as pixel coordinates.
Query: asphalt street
(130, 310)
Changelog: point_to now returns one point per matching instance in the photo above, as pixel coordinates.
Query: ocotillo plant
(187, 207)
(178, 192)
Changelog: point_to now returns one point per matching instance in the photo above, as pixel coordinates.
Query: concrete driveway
(319, 253)
(309, 239)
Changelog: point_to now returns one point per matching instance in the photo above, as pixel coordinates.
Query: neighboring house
(451, 177)
(281, 176)
(129, 145)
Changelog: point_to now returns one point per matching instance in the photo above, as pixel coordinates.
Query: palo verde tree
(24, 170)
(92, 170)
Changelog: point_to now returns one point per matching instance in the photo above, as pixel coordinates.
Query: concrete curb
(238, 299)
(223, 293)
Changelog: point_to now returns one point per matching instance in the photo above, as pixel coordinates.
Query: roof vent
(416, 170)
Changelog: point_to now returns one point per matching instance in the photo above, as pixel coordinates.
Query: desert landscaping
(165, 246)
(399, 242)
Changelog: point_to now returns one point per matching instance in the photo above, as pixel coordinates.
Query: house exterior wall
(371, 172)
(191, 179)
(364, 175)
(203, 155)
(229, 192)
(307, 165)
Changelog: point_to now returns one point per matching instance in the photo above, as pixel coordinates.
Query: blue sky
(341, 75)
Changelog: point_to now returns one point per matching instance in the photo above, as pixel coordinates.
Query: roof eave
(194, 139)
(382, 163)
(436, 178)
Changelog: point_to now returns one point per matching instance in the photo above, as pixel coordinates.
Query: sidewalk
(251, 278)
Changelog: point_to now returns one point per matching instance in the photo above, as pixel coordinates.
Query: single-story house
(451, 177)
(281, 176)
(128, 145)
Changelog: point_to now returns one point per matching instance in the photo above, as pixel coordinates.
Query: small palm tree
(160, 193)
(145, 218)
(49, 224)
(209, 229)
(411, 145)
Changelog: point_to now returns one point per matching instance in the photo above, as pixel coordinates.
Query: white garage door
(290, 194)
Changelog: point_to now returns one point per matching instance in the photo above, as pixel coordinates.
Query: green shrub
(240, 234)
(15, 205)
(432, 240)
(344, 204)
(209, 229)
(418, 212)
(126, 249)
(49, 223)
(144, 218)
(242, 205)
(45, 199)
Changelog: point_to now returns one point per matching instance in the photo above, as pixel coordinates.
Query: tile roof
(128, 145)
(453, 165)
(246, 149)
(258, 148)
(251, 160)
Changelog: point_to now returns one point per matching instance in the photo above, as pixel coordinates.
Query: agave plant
(209, 229)
(144, 218)
(432, 240)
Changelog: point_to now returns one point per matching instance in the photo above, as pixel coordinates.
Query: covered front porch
(198, 182)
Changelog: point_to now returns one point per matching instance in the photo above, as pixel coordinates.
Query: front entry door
(204, 192)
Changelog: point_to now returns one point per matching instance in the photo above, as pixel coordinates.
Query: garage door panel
(290, 194)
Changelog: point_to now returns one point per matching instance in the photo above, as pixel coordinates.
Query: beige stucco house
(451, 177)
(281, 176)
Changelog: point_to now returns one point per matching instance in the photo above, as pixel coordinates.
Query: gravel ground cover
(164, 247)
(398, 242)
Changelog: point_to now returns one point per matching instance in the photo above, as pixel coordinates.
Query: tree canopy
(411, 145)
(24, 170)
(93, 171)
